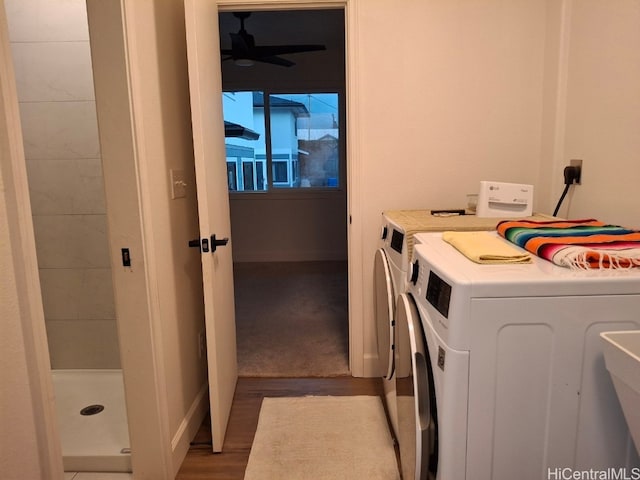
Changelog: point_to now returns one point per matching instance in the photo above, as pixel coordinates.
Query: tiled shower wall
(50, 46)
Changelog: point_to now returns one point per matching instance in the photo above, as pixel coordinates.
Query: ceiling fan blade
(268, 50)
(274, 61)
(243, 47)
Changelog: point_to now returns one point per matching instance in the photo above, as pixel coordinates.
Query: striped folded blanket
(579, 244)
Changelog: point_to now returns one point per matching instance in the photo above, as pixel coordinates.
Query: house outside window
(281, 141)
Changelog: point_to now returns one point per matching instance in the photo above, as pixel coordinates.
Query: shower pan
(92, 420)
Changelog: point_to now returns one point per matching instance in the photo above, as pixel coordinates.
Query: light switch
(178, 185)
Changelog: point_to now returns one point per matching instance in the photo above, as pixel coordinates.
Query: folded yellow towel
(484, 247)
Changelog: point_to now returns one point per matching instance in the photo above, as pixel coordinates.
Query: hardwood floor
(200, 463)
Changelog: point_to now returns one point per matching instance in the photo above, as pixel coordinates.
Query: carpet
(292, 319)
(322, 438)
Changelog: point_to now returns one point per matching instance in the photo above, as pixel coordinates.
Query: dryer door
(384, 312)
(417, 414)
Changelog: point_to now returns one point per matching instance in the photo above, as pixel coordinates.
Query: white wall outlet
(178, 185)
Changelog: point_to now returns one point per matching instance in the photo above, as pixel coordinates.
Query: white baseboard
(370, 366)
(189, 427)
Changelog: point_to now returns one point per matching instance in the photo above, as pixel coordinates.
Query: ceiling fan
(244, 51)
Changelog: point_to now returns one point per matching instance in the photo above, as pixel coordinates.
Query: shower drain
(92, 410)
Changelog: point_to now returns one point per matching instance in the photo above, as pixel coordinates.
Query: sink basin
(622, 358)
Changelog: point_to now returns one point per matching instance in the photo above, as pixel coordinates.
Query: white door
(205, 83)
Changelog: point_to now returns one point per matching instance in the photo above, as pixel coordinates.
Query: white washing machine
(399, 229)
(507, 372)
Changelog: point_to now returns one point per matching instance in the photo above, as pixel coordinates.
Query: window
(302, 130)
(232, 177)
(280, 172)
(244, 143)
(248, 175)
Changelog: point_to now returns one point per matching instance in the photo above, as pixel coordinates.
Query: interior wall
(465, 107)
(303, 228)
(20, 455)
(50, 46)
(291, 225)
(29, 444)
(552, 103)
(602, 119)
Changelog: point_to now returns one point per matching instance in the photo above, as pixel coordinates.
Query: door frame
(113, 31)
(353, 216)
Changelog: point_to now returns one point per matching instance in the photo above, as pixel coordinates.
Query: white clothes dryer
(510, 381)
(391, 264)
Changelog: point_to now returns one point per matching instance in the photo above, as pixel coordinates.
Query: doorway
(288, 210)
